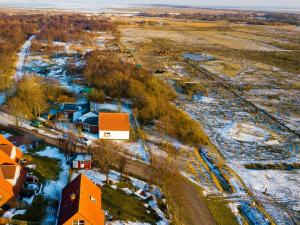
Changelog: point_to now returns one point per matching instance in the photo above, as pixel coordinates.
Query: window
(106, 134)
(93, 199)
(78, 222)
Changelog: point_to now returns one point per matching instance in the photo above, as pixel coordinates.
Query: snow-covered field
(244, 135)
(278, 185)
(246, 132)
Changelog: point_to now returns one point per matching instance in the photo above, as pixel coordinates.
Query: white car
(84, 141)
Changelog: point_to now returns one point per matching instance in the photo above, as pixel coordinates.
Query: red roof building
(80, 203)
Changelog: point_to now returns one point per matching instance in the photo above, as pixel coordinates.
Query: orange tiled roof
(114, 121)
(8, 168)
(6, 191)
(6, 146)
(81, 197)
(4, 158)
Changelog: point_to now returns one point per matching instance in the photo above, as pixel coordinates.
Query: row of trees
(105, 72)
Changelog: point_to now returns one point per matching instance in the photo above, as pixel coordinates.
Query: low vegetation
(125, 207)
(191, 88)
(46, 168)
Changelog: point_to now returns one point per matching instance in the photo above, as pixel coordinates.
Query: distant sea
(107, 5)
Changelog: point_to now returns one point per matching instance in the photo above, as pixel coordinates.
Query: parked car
(84, 141)
(36, 123)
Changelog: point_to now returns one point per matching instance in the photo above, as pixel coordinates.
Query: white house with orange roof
(114, 126)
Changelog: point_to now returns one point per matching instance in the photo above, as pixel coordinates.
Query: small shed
(81, 161)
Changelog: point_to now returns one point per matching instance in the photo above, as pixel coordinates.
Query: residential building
(89, 122)
(80, 203)
(114, 126)
(12, 175)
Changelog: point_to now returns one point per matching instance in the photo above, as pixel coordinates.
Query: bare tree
(19, 110)
(105, 154)
(122, 163)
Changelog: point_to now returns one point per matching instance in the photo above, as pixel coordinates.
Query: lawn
(126, 207)
(46, 168)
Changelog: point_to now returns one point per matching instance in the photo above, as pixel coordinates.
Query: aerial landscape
(144, 112)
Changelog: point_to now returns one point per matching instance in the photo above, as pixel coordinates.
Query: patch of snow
(139, 184)
(28, 200)
(22, 55)
(127, 191)
(277, 184)
(246, 132)
(142, 194)
(138, 149)
(107, 106)
(2, 98)
(52, 188)
(90, 136)
(203, 99)
(13, 212)
(154, 206)
(95, 176)
(118, 222)
(114, 176)
(31, 166)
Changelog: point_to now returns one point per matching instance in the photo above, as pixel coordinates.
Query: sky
(280, 4)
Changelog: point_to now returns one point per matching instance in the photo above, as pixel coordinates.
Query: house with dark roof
(80, 203)
(114, 126)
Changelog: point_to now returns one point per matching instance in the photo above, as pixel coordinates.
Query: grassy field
(219, 209)
(46, 168)
(126, 207)
(234, 45)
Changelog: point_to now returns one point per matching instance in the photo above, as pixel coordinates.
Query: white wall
(114, 135)
(13, 153)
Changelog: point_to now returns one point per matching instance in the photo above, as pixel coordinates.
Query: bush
(96, 96)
